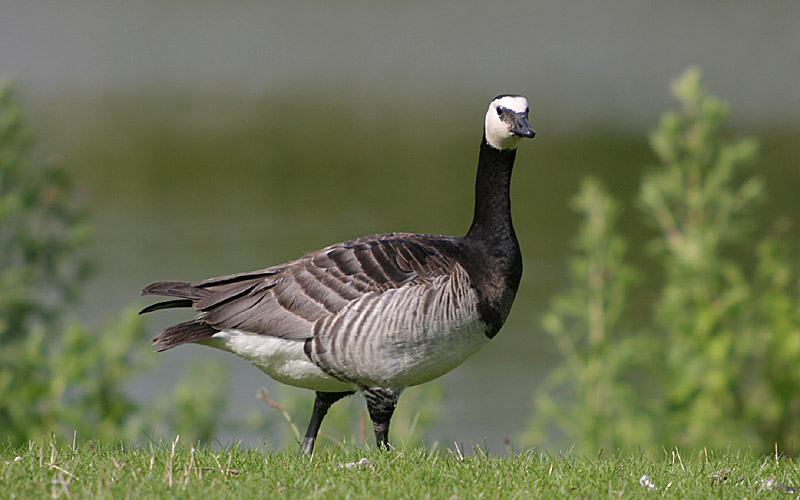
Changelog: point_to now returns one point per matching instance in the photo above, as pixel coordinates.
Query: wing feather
(287, 301)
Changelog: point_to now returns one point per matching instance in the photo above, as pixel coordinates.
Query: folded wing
(286, 301)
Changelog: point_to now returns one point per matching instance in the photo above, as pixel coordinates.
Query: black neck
(491, 223)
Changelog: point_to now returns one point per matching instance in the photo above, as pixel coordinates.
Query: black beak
(521, 126)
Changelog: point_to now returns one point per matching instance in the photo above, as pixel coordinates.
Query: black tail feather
(167, 304)
(183, 333)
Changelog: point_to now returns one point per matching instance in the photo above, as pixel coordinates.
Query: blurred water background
(213, 138)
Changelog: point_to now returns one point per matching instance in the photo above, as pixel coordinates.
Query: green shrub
(56, 375)
(43, 233)
(583, 397)
(712, 361)
(700, 204)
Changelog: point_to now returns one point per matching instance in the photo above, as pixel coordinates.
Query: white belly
(281, 359)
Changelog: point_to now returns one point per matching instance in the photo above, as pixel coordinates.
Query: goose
(375, 314)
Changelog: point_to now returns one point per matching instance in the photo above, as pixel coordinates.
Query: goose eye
(499, 111)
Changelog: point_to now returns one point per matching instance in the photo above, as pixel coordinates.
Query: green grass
(61, 470)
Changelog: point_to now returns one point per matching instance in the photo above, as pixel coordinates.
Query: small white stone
(646, 482)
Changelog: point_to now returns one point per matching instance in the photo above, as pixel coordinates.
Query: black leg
(381, 403)
(323, 401)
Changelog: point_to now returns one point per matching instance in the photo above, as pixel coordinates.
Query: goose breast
(403, 336)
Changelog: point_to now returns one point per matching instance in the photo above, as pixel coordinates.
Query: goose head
(507, 122)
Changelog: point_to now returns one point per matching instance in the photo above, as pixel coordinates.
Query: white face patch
(498, 132)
